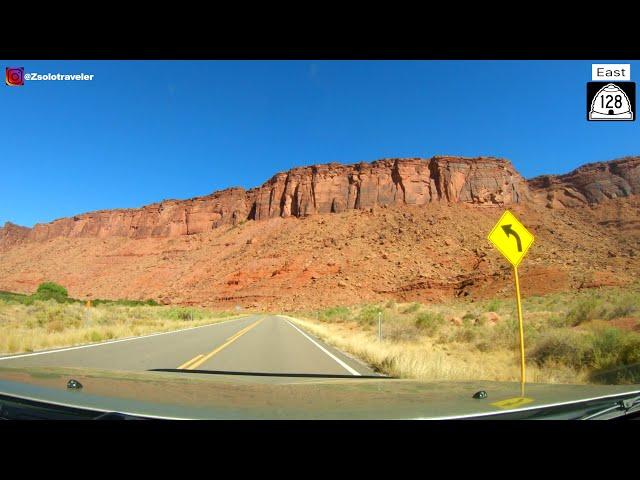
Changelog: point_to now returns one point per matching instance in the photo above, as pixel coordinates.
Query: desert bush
(558, 321)
(606, 346)
(400, 332)
(178, 313)
(465, 335)
(469, 319)
(125, 303)
(413, 308)
(10, 297)
(558, 346)
(619, 360)
(429, 322)
(334, 313)
(368, 314)
(493, 306)
(51, 290)
(584, 310)
(624, 306)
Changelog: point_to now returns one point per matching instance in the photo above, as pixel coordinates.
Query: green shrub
(584, 310)
(630, 353)
(493, 306)
(429, 322)
(607, 347)
(333, 313)
(413, 308)
(95, 336)
(558, 321)
(469, 319)
(621, 365)
(465, 335)
(565, 347)
(10, 297)
(624, 306)
(126, 303)
(51, 290)
(178, 313)
(368, 314)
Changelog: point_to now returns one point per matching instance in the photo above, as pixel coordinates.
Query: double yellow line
(198, 360)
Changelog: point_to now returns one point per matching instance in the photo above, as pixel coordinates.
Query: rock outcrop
(11, 234)
(589, 184)
(333, 187)
(329, 188)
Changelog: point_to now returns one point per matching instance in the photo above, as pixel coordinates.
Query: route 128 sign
(614, 101)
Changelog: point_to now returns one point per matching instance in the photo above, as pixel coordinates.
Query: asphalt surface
(252, 344)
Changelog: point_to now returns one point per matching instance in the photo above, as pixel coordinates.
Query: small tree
(52, 290)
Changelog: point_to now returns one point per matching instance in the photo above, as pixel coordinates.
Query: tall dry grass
(423, 359)
(570, 337)
(49, 324)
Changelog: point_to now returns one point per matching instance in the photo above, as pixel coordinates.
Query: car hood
(177, 395)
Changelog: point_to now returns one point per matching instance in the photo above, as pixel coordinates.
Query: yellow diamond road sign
(511, 238)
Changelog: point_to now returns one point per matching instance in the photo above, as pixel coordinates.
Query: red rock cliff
(589, 184)
(301, 191)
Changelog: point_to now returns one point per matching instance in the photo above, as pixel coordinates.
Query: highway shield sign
(511, 238)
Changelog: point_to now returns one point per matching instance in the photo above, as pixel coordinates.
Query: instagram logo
(14, 76)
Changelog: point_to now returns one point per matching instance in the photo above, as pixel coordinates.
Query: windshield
(308, 223)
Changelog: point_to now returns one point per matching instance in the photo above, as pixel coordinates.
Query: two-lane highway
(252, 344)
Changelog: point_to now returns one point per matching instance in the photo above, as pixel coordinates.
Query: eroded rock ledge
(335, 187)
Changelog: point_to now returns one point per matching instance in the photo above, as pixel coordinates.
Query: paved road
(257, 343)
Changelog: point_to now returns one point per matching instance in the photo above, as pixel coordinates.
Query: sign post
(513, 240)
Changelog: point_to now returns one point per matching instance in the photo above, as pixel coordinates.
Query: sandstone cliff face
(329, 188)
(11, 234)
(166, 219)
(589, 184)
(334, 188)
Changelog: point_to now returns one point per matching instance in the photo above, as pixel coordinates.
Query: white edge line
(340, 362)
(109, 342)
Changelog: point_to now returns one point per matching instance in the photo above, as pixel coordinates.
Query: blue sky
(143, 131)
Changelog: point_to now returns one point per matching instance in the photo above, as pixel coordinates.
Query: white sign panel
(601, 72)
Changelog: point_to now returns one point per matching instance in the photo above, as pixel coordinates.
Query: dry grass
(569, 338)
(423, 359)
(49, 324)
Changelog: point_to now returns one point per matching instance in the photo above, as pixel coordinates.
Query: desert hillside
(409, 229)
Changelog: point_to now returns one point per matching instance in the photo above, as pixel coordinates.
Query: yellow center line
(242, 332)
(185, 364)
(230, 340)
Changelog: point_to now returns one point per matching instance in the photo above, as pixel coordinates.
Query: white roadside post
(379, 326)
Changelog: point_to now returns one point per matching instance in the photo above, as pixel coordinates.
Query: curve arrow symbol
(510, 231)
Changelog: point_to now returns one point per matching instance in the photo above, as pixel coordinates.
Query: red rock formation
(165, 219)
(589, 184)
(333, 187)
(301, 191)
(11, 234)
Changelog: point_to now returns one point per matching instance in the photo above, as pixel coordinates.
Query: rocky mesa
(330, 188)
(407, 229)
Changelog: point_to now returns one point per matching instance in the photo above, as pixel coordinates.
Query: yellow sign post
(513, 240)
